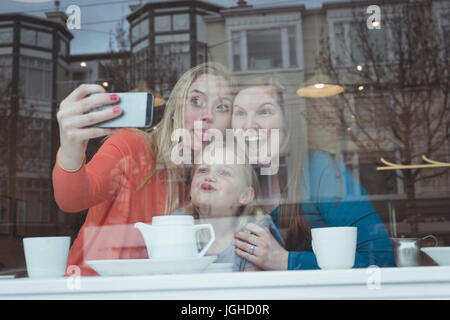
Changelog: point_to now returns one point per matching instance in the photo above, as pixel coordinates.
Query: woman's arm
(101, 178)
(329, 180)
(74, 183)
(90, 185)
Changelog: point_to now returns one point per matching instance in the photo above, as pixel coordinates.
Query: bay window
(35, 78)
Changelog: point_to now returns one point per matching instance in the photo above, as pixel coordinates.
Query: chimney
(242, 4)
(57, 16)
(135, 7)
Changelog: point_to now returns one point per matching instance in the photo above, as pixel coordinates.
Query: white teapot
(173, 236)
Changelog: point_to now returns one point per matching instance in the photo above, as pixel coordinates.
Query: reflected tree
(396, 77)
(20, 142)
(157, 70)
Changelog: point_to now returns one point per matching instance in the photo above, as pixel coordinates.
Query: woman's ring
(252, 249)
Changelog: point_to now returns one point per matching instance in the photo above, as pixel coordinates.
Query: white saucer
(128, 267)
(219, 268)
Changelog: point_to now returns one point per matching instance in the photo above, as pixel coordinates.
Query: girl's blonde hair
(159, 140)
(245, 213)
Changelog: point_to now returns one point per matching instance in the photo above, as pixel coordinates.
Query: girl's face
(258, 108)
(219, 189)
(208, 103)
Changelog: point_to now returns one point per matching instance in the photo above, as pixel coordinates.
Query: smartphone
(137, 110)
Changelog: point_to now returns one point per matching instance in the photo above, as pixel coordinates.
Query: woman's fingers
(259, 231)
(260, 248)
(246, 247)
(249, 238)
(82, 113)
(247, 256)
(95, 117)
(82, 91)
(88, 104)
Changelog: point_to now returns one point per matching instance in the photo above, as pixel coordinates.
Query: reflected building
(34, 56)
(368, 121)
(166, 39)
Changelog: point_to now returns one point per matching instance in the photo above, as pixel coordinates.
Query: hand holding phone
(137, 111)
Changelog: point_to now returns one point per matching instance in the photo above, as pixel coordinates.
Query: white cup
(46, 257)
(334, 247)
(174, 236)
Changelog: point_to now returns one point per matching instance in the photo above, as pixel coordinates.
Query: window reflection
(394, 106)
(264, 49)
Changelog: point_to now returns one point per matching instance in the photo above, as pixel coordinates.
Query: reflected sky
(100, 17)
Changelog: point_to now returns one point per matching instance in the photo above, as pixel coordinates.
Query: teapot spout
(142, 227)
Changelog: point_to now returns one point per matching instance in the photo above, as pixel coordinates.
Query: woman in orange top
(131, 178)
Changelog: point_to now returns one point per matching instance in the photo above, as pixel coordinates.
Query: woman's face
(208, 106)
(257, 108)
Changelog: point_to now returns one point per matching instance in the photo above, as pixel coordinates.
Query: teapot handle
(213, 237)
(432, 237)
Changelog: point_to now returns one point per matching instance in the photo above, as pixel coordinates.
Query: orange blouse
(107, 186)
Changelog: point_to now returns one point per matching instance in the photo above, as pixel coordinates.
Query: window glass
(6, 35)
(445, 21)
(340, 43)
(36, 38)
(140, 30)
(163, 24)
(180, 21)
(292, 39)
(5, 70)
(44, 39)
(35, 80)
(329, 122)
(63, 48)
(236, 38)
(264, 49)
(28, 36)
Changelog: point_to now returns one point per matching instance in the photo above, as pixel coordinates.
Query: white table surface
(431, 282)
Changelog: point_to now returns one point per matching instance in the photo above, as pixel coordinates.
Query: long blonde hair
(159, 140)
(292, 222)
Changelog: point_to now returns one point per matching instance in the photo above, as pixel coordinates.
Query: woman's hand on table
(260, 248)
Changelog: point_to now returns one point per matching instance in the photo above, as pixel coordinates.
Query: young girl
(131, 178)
(223, 193)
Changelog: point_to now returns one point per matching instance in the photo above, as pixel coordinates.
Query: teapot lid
(173, 220)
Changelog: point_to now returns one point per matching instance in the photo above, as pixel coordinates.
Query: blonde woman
(131, 178)
(304, 194)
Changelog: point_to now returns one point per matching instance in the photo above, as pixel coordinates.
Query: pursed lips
(207, 187)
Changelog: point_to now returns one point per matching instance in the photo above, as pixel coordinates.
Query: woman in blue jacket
(298, 197)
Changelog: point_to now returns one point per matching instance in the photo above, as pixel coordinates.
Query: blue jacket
(327, 205)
